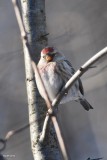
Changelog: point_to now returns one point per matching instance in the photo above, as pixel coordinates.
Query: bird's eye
(43, 56)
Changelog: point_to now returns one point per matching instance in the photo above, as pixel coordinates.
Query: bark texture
(33, 13)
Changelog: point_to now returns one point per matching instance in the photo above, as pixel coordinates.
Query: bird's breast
(52, 81)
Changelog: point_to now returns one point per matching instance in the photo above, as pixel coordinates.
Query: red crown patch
(47, 50)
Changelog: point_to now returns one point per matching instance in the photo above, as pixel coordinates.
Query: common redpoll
(55, 71)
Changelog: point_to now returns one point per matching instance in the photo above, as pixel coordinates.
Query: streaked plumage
(55, 71)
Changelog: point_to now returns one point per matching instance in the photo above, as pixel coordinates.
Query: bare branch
(48, 102)
(56, 101)
(18, 130)
(78, 74)
(44, 129)
(25, 42)
(58, 133)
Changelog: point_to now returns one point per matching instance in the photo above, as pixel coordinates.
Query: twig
(44, 129)
(58, 133)
(68, 84)
(48, 102)
(26, 45)
(78, 74)
(14, 132)
(56, 101)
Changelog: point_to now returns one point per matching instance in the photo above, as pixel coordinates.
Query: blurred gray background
(78, 29)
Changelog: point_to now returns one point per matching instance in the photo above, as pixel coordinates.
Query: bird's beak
(49, 58)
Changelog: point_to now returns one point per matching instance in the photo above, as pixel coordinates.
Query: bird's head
(48, 54)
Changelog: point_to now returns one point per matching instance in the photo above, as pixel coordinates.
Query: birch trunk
(33, 13)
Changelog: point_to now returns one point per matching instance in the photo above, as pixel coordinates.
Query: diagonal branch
(48, 102)
(78, 74)
(72, 80)
(44, 129)
(56, 101)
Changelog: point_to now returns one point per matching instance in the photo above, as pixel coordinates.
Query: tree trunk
(33, 13)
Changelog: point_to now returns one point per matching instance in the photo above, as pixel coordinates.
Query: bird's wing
(64, 70)
(67, 71)
(79, 80)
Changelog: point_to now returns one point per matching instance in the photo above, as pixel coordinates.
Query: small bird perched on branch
(55, 71)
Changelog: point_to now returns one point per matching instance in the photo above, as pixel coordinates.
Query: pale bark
(33, 12)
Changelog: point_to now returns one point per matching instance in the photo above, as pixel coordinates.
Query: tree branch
(44, 129)
(78, 74)
(56, 101)
(72, 80)
(48, 102)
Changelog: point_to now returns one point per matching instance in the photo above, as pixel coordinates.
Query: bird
(55, 70)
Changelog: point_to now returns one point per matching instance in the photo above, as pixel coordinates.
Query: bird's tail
(85, 104)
